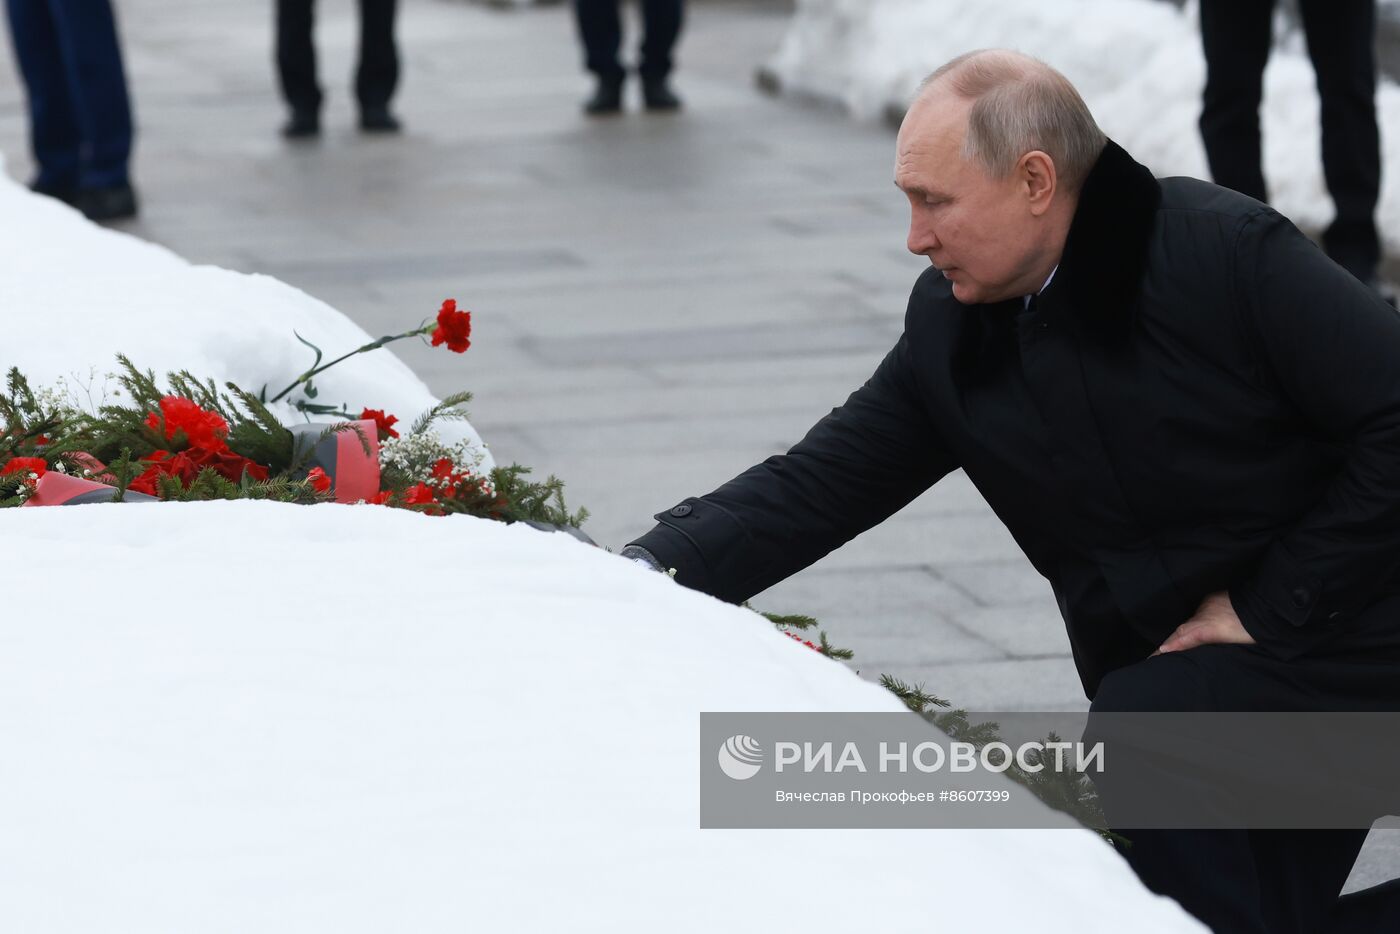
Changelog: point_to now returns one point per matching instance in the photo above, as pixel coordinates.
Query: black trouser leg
(1259, 882)
(1210, 872)
(1264, 881)
(1341, 42)
(296, 54)
(1301, 874)
(662, 24)
(600, 27)
(378, 73)
(55, 136)
(1236, 35)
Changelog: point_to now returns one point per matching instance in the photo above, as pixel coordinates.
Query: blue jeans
(79, 112)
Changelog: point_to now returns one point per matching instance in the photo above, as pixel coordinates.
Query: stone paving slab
(660, 301)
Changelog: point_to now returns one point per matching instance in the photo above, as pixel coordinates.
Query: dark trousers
(1341, 42)
(600, 25)
(377, 74)
(1259, 881)
(79, 112)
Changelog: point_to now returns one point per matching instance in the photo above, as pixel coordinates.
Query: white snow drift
(253, 717)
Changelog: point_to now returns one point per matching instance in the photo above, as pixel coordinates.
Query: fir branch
(539, 502)
(449, 408)
(260, 437)
(830, 651)
(794, 620)
(124, 470)
(914, 696)
(140, 386)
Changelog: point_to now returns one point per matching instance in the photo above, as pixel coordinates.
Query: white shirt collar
(1026, 300)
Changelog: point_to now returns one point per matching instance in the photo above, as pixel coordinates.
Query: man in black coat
(1186, 414)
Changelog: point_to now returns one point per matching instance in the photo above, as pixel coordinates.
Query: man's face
(978, 230)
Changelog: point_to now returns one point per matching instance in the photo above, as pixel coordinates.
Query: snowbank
(1138, 64)
(73, 295)
(348, 718)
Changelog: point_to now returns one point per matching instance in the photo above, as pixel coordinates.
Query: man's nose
(922, 238)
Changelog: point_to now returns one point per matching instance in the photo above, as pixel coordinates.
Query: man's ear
(1036, 172)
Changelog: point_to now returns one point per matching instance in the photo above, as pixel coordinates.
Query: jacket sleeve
(852, 470)
(1332, 346)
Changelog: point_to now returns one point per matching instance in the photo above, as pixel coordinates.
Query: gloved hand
(643, 557)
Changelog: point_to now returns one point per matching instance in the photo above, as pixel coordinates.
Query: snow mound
(74, 295)
(264, 718)
(1138, 64)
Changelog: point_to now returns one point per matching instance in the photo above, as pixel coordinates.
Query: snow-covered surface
(73, 295)
(1138, 64)
(253, 717)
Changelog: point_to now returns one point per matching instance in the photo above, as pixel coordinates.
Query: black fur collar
(1101, 270)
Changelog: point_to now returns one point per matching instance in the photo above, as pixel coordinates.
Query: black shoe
(106, 204)
(657, 95)
(606, 99)
(377, 119)
(67, 195)
(302, 124)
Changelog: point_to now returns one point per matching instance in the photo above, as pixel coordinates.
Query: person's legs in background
(296, 67)
(662, 24)
(1236, 36)
(1341, 42)
(54, 135)
(600, 28)
(80, 113)
(377, 74)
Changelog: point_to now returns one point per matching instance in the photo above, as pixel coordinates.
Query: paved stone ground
(660, 301)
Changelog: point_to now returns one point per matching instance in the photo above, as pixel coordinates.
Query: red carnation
(382, 423)
(186, 466)
(419, 494)
(319, 481)
(24, 466)
(453, 327)
(204, 430)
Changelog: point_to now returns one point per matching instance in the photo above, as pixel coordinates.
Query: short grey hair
(1021, 104)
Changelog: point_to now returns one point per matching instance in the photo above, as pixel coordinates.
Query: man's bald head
(992, 156)
(1017, 104)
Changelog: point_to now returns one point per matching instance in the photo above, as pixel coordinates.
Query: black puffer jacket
(1200, 401)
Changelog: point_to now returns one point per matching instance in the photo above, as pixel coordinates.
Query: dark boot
(375, 118)
(107, 204)
(606, 99)
(657, 95)
(304, 123)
